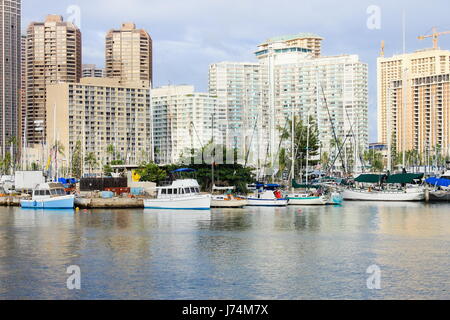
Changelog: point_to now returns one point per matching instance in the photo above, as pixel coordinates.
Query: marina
(316, 252)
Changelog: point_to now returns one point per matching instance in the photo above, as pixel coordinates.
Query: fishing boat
(267, 196)
(223, 198)
(180, 195)
(397, 187)
(49, 196)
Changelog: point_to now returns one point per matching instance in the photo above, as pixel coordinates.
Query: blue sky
(188, 35)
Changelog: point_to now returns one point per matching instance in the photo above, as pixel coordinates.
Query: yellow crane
(435, 35)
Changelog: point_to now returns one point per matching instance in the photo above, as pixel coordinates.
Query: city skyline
(191, 36)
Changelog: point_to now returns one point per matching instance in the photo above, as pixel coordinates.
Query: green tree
(374, 159)
(301, 142)
(77, 161)
(151, 172)
(91, 161)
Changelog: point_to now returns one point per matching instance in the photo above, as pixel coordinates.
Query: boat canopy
(370, 178)
(404, 178)
(438, 182)
(183, 170)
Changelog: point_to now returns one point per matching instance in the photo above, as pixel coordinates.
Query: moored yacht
(180, 195)
(49, 196)
(270, 196)
(224, 198)
(384, 188)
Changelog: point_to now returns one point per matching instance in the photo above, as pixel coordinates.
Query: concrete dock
(10, 201)
(116, 203)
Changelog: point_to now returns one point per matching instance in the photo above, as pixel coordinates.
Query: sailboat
(309, 194)
(397, 187)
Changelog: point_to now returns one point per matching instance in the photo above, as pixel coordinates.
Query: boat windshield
(59, 192)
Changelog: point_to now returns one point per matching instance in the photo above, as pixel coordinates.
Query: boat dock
(110, 203)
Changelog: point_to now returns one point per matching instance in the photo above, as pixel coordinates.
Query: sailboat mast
(213, 153)
(307, 148)
(293, 145)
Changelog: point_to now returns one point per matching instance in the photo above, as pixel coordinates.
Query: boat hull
(200, 202)
(308, 201)
(228, 203)
(437, 196)
(254, 202)
(351, 195)
(64, 202)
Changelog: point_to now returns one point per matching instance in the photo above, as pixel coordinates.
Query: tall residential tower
(10, 70)
(53, 56)
(129, 54)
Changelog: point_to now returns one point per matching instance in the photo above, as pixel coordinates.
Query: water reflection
(256, 253)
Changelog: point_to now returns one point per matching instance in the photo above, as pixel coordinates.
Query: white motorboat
(225, 199)
(49, 196)
(181, 195)
(267, 198)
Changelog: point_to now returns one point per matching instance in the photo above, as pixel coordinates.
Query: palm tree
(91, 161)
(12, 142)
(300, 141)
(111, 151)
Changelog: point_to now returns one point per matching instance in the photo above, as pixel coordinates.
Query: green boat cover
(370, 178)
(404, 178)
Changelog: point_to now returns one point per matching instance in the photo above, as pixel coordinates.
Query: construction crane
(435, 35)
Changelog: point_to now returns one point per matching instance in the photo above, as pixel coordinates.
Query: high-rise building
(415, 118)
(291, 77)
(129, 54)
(101, 112)
(239, 84)
(91, 71)
(184, 120)
(53, 56)
(23, 88)
(293, 43)
(10, 26)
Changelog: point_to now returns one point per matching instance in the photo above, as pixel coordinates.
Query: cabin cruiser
(268, 196)
(383, 188)
(223, 198)
(49, 196)
(180, 195)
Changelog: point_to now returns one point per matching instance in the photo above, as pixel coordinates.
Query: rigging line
(354, 136)
(332, 125)
(251, 141)
(342, 147)
(198, 138)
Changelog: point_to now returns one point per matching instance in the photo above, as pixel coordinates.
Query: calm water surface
(286, 253)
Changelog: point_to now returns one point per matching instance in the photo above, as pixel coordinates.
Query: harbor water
(250, 253)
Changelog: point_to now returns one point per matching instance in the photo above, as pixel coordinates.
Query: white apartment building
(240, 85)
(184, 120)
(290, 77)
